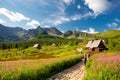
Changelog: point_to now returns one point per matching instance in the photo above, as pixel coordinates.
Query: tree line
(44, 40)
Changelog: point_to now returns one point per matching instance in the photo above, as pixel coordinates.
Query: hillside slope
(109, 34)
(76, 34)
(111, 38)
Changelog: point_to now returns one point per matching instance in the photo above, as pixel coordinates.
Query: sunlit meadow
(103, 67)
(37, 69)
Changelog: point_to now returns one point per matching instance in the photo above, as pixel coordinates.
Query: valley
(60, 40)
(19, 59)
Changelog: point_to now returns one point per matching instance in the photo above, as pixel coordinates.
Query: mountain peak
(53, 30)
(39, 27)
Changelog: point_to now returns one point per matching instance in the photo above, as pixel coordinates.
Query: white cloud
(76, 17)
(2, 21)
(47, 26)
(61, 20)
(90, 30)
(78, 6)
(117, 20)
(68, 1)
(63, 31)
(59, 7)
(98, 6)
(118, 28)
(56, 21)
(33, 23)
(80, 16)
(113, 25)
(13, 16)
(59, 16)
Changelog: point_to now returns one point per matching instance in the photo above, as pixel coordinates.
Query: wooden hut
(37, 46)
(96, 46)
(53, 44)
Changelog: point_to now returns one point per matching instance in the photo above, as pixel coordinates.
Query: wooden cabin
(95, 46)
(37, 46)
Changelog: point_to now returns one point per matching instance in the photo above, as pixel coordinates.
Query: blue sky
(85, 15)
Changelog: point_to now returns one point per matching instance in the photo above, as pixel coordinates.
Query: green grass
(37, 64)
(44, 52)
(35, 70)
(103, 67)
(109, 34)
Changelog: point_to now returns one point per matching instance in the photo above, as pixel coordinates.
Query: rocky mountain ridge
(17, 33)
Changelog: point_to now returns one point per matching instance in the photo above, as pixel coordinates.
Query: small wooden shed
(37, 46)
(53, 44)
(96, 46)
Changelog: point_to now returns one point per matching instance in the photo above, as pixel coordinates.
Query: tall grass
(35, 72)
(103, 67)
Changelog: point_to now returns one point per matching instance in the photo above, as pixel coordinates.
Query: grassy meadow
(37, 69)
(103, 66)
(33, 53)
(37, 64)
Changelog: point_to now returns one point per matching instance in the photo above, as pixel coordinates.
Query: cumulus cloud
(13, 16)
(33, 23)
(90, 30)
(78, 6)
(2, 21)
(98, 6)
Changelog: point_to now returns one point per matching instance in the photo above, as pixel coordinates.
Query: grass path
(77, 72)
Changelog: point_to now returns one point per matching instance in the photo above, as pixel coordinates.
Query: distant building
(37, 46)
(79, 50)
(53, 44)
(95, 46)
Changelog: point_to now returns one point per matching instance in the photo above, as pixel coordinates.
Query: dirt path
(77, 72)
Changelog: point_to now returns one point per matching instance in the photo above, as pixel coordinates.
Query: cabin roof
(36, 45)
(92, 44)
(89, 44)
